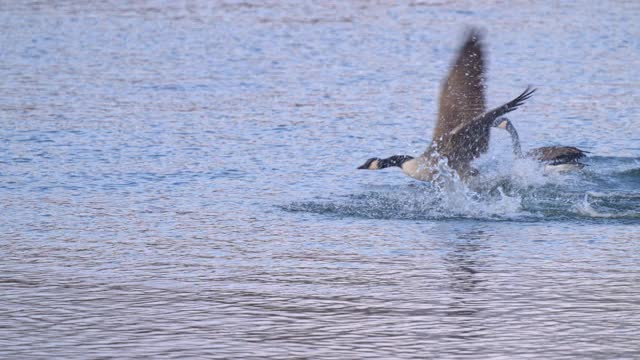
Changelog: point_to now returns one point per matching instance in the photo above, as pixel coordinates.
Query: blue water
(180, 181)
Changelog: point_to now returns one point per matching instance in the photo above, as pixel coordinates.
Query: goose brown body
(557, 154)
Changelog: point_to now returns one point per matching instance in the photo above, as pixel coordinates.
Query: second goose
(556, 158)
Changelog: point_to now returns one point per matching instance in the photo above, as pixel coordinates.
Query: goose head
(501, 123)
(377, 163)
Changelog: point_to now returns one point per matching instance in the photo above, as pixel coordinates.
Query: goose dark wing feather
(469, 139)
(462, 95)
(462, 98)
(512, 105)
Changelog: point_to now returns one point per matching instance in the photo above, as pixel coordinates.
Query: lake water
(179, 181)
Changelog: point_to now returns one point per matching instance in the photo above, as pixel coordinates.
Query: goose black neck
(395, 160)
(515, 139)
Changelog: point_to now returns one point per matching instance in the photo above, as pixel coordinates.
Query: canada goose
(463, 127)
(555, 158)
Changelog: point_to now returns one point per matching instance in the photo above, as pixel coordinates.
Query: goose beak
(363, 166)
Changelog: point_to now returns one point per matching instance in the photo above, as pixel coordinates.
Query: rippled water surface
(179, 181)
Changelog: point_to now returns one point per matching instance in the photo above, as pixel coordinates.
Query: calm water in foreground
(179, 181)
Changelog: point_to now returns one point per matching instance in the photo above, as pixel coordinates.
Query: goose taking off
(555, 158)
(463, 128)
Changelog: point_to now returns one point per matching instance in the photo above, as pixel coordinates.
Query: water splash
(446, 197)
(515, 189)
